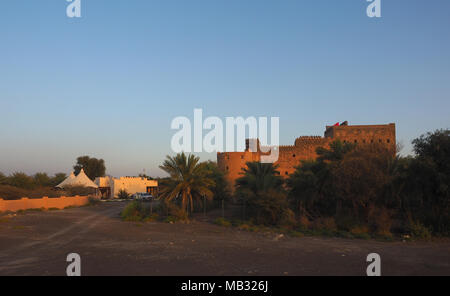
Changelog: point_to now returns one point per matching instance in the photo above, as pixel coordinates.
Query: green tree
(261, 189)
(220, 189)
(93, 167)
(360, 179)
(146, 177)
(42, 179)
(426, 193)
(189, 180)
(336, 152)
(57, 179)
(310, 186)
(21, 180)
(258, 177)
(347, 182)
(310, 190)
(3, 179)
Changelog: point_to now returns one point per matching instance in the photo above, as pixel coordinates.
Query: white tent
(67, 181)
(79, 181)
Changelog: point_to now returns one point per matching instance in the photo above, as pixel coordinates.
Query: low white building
(110, 186)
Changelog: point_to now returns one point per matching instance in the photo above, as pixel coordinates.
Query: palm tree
(258, 177)
(261, 186)
(188, 179)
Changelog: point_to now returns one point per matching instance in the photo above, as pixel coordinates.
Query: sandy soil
(38, 243)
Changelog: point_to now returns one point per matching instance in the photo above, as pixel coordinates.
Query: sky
(109, 84)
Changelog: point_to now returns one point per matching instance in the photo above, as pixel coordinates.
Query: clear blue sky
(108, 85)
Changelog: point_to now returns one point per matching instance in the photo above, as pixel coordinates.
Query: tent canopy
(82, 180)
(67, 181)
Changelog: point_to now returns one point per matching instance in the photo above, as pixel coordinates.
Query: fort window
(287, 173)
(242, 156)
(371, 141)
(228, 168)
(380, 140)
(364, 141)
(356, 141)
(388, 140)
(293, 155)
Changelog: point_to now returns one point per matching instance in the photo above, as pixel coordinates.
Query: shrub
(93, 201)
(381, 222)
(287, 218)
(303, 222)
(244, 226)
(170, 219)
(21, 180)
(419, 231)
(78, 190)
(326, 223)
(134, 211)
(152, 218)
(295, 233)
(170, 209)
(222, 222)
(360, 232)
(123, 194)
(346, 221)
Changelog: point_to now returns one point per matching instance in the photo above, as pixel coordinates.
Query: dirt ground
(37, 243)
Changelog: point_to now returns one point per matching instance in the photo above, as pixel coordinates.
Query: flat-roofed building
(110, 186)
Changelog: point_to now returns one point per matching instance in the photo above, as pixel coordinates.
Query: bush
(326, 223)
(346, 221)
(93, 201)
(21, 180)
(360, 232)
(270, 208)
(77, 190)
(222, 222)
(134, 211)
(170, 219)
(8, 192)
(170, 209)
(419, 231)
(287, 218)
(123, 194)
(381, 222)
(303, 222)
(152, 218)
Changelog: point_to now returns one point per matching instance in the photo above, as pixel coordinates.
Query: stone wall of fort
(304, 148)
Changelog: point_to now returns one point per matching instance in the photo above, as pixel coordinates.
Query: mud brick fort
(305, 147)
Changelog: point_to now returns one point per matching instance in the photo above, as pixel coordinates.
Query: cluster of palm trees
(191, 181)
(350, 185)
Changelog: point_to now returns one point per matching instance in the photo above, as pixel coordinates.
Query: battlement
(286, 147)
(310, 140)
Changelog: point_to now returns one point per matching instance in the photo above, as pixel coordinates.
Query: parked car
(144, 196)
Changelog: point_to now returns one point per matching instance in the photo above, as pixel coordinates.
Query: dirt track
(38, 243)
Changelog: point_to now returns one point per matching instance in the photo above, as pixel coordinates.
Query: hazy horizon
(109, 84)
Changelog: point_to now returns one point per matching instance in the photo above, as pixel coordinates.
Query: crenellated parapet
(311, 141)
